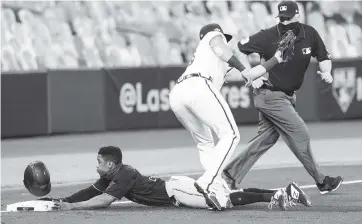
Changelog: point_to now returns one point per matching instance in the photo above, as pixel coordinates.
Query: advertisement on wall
(139, 98)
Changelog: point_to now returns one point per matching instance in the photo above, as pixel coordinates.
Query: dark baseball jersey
(287, 77)
(131, 184)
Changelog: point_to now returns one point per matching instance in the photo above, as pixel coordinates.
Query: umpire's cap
(287, 9)
(37, 179)
(213, 27)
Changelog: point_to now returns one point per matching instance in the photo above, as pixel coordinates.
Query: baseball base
(36, 206)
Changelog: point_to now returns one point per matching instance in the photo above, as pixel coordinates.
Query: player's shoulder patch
(245, 40)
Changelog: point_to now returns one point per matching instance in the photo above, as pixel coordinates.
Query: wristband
(270, 63)
(234, 62)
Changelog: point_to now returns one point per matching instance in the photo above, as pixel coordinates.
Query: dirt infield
(71, 159)
(342, 206)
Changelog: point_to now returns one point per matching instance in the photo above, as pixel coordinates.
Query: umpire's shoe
(210, 198)
(296, 195)
(330, 184)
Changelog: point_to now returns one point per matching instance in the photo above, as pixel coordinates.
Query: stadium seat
(317, 21)
(113, 56)
(8, 19)
(339, 42)
(56, 34)
(68, 60)
(354, 34)
(96, 9)
(6, 36)
(92, 58)
(145, 49)
(162, 10)
(243, 19)
(135, 55)
(9, 61)
(161, 48)
(175, 54)
(259, 10)
(27, 59)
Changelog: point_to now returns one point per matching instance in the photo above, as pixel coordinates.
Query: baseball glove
(286, 45)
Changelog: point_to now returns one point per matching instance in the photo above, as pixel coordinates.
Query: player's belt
(272, 88)
(192, 75)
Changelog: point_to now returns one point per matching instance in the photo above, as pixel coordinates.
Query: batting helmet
(214, 27)
(37, 179)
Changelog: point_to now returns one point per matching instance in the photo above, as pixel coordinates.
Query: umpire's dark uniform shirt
(287, 77)
(129, 183)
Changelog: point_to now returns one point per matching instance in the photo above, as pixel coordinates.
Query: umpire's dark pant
(277, 118)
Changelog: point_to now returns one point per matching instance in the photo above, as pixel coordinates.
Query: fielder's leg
(205, 143)
(214, 111)
(180, 102)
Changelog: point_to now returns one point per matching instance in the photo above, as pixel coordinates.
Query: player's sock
(244, 198)
(257, 190)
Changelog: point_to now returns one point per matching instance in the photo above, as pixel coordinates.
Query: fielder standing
(275, 98)
(198, 104)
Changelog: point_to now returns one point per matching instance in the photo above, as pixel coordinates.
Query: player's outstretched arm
(221, 50)
(110, 191)
(100, 201)
(82, 195)
(88, 198)
(263, 68)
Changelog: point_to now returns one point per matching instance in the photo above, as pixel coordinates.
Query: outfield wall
(75, 101)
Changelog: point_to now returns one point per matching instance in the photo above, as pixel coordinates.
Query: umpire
(274, 97)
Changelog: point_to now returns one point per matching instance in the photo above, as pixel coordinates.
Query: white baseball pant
(202, 109)
(182, 188)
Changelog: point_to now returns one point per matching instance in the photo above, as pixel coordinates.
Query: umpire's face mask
(291, 26)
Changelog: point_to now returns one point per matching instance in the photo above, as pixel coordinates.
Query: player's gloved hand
(63, 205)
(279, 56)
(326, 76)
(257, 83)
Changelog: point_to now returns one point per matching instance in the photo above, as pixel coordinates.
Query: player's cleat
(330, 184)
(279, 198)
(296, 195)
(210, 198)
